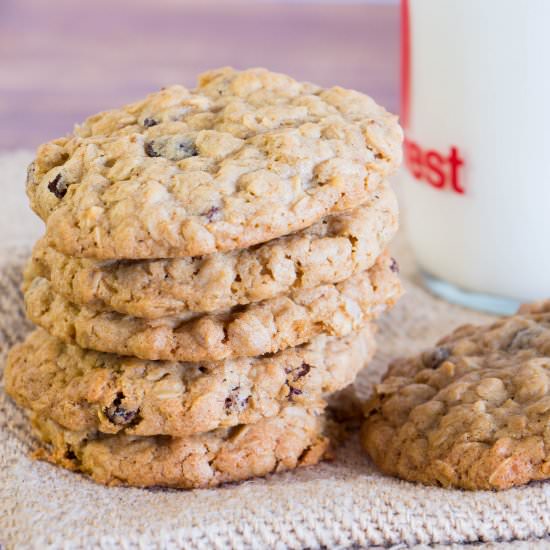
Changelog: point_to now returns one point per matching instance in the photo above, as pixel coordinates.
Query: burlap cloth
(345, 503)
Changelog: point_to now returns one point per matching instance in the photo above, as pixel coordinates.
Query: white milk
(478, 211)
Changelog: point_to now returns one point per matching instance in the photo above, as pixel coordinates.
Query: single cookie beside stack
(472, 412)
(212, 264)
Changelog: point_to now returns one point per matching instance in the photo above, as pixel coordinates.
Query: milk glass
(476, 181)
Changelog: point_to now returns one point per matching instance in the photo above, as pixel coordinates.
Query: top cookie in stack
(246, 217)
(244, 158)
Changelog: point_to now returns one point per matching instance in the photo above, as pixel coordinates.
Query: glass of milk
(476, 181)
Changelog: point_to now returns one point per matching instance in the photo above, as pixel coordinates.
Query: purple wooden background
(61, 60)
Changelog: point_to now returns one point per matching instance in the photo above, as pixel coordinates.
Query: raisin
(186, 149)
(58, 186)
(433, 358)
(211, 213)
(117, 414)
(394, 266)
(304, 369)
(69, 454)
(175, 148)
(234, 400)
(150, 149)
(292, 392)
(203, 369)
(148, 122)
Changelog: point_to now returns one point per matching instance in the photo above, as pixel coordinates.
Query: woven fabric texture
(345, 503)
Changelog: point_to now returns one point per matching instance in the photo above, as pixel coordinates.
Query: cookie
(327, 252)
(264, 327)
(245, 157)
(472, 412)
(90, 391)
(292, 439)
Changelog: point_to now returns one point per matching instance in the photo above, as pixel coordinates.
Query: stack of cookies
(212, 263)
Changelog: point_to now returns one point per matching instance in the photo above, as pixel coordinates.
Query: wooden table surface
(62, 60)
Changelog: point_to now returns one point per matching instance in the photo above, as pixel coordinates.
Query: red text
(438, 170)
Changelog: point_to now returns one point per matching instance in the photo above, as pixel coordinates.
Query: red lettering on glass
(434, 164)
(438, 170)
(456, 162)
